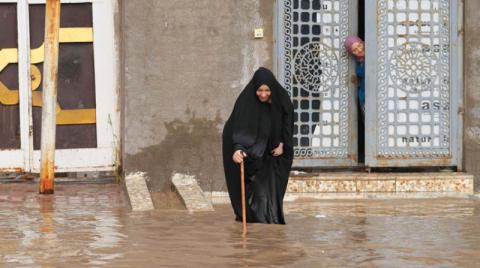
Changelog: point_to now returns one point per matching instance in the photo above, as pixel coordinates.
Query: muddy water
(92, 229)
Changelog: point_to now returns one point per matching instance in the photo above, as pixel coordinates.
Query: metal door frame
(19, 160)
(278, 68)
(456, 85)
(106, 64)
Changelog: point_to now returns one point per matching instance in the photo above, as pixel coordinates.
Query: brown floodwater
(89, 227)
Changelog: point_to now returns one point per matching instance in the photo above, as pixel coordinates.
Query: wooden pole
(49, 96)
(244, 211)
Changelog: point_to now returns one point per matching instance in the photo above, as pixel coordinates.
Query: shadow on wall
(193, 147)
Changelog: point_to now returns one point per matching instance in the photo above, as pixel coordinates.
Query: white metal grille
(413, 78)
(315, 72)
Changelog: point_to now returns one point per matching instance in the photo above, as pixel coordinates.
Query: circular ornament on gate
(315, 67)
(412, 67)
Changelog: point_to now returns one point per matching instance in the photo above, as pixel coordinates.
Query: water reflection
(48, 231)
(90, 228)
(264, 245)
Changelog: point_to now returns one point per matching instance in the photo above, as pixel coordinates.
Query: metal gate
(413, 88)
(87, 134)
(315, 69)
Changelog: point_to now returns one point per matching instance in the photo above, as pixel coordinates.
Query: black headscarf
(256, 128)
(256, 122)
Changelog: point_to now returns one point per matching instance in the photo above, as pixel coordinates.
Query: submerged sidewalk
(68, 194)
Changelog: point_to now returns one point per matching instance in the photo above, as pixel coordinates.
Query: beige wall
(472, 89)
(185, 62)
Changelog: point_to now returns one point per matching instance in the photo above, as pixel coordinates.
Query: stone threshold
(333, 182)
(290, 197)
(360, 185)
(218, 198)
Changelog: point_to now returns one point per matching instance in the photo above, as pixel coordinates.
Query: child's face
(358, 49)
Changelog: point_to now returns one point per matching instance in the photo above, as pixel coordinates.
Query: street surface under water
(88, 226)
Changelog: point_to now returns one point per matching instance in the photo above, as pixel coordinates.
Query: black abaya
(256, 128)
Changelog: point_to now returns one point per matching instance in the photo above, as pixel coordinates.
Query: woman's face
(358, 49)
(264, 93)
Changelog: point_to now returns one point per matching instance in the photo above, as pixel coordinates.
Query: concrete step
(191, 193)
(137, 192)
(337, 182)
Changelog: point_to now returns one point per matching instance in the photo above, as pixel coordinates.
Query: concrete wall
(184, 64)
(472, 90)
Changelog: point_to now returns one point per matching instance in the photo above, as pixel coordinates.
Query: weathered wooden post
(49, 97)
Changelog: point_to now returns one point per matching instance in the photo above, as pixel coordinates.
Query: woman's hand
(278, 150)
(238, 156)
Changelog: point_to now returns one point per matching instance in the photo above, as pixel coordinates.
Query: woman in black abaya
(259, 132)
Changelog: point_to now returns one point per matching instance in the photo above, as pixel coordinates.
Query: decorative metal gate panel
(315, 69)
(412, 83)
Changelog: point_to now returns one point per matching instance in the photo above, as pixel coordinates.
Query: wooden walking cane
(244, 211)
